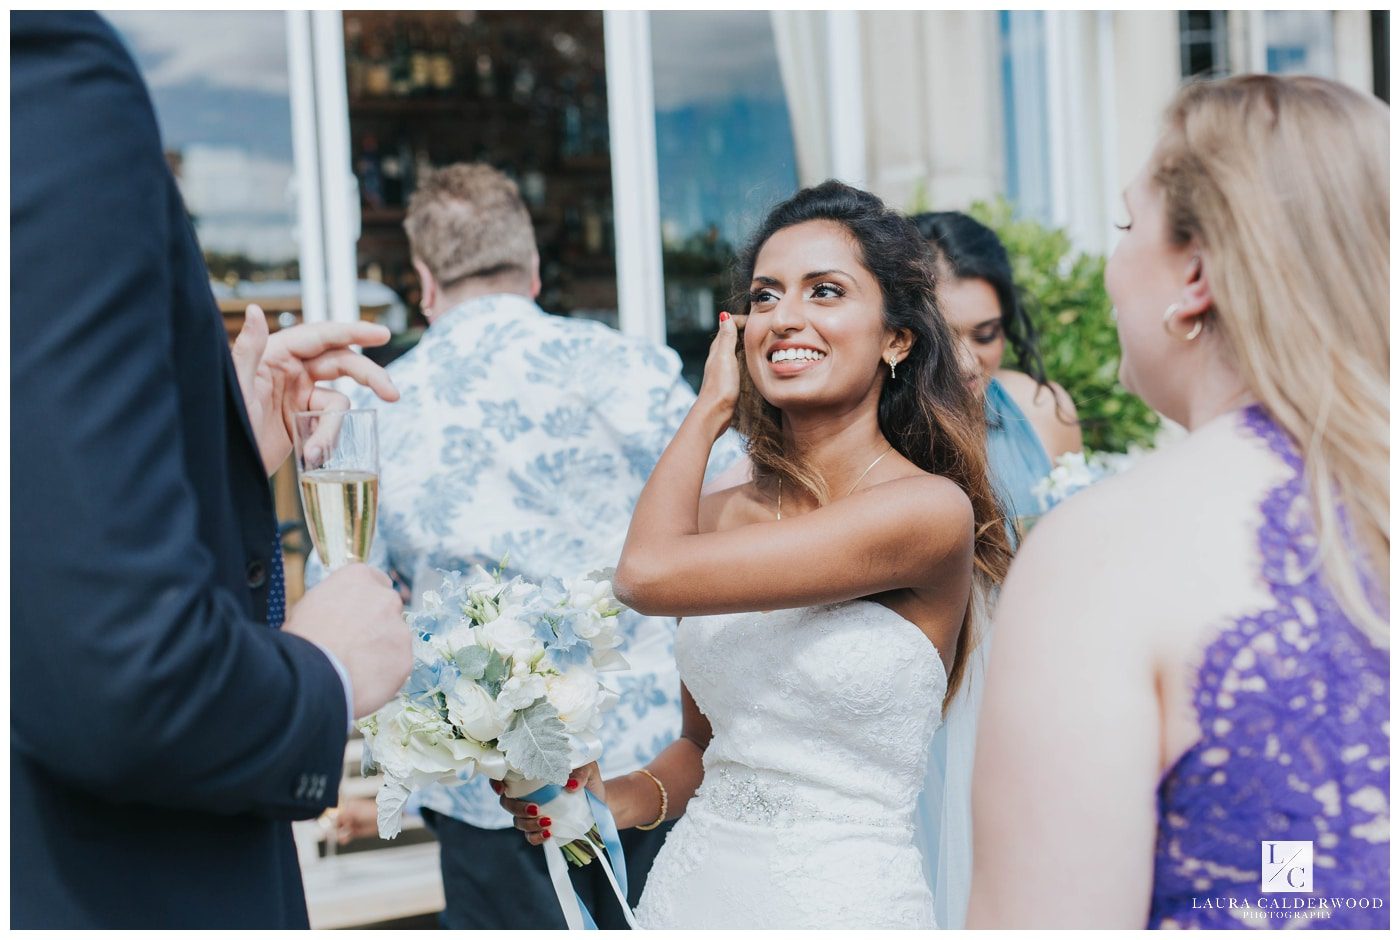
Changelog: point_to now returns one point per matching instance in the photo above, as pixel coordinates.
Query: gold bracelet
(665, 803)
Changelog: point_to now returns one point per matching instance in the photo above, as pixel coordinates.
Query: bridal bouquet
(505, 683)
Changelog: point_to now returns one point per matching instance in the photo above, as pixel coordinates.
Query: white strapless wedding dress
(822, 719)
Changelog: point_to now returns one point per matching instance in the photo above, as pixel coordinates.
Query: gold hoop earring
(1171, 311)
(893, 362)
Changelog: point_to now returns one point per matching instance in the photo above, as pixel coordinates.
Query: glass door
(724, 155)
(524, 92)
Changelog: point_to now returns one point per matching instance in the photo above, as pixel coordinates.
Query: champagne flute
(337, 455)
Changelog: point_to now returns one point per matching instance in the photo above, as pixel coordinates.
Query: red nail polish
(571, 786)
(532, 810)
(546, 822)
(723, 316)
(495, 786)
(545, 833)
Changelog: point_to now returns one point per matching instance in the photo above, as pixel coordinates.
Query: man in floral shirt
(525, 437)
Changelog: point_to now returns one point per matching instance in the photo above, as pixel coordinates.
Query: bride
(826, 603)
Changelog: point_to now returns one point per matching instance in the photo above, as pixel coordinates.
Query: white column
(1256, 42)
(1057, 119)
(1351, 31)
(1110, 186)
(302, 92)
(340, 202)
(641, 296)
(846, 94)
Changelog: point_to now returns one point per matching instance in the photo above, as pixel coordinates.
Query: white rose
(451, 642)
(520, 692)
(593, 596)
(471, 709)
(510, 637)
(589, 625)
(575, 697)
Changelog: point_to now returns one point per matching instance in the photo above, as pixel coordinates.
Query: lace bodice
(822, 718)
(1293, 704)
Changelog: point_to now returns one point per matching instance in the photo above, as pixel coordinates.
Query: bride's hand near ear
(719, 390)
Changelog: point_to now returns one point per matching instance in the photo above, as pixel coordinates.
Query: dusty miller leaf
(472, 661)
(495, 673)
(536, 745)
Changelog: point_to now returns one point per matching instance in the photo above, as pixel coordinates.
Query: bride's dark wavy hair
(926, 412)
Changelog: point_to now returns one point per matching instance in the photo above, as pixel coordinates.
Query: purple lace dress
(1294, 708)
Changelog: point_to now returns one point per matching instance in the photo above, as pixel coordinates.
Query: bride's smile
(815, 328)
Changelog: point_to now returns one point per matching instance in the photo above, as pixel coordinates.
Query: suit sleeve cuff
(345, 684)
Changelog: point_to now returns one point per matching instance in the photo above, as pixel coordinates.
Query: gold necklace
(863, 475)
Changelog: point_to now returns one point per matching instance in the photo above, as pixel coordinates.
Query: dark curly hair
(927, 413)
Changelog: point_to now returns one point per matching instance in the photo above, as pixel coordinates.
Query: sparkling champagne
(340, 510)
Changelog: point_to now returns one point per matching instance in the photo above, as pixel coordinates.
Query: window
(523, 92)
(220, 88)
(724, 154)
(1298, 41)
(1205, 42)
(1023, 74)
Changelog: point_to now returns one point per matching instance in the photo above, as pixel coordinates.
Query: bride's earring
(893, 362)
(1171, 311)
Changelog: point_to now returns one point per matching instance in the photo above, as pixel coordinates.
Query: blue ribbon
(607, 829)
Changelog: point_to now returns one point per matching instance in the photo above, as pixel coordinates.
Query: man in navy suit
(163, 729)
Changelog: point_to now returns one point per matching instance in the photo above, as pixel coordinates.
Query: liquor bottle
(392, 171)
(524, 85)
(532, 184)
(440, 67)
(368, 170)
(485, 74)
(572, 143)
(592, 227)
(401, 66)
(378, 80)
(408, 169)
(419, 62)
(354, 58)
(596, 117)
(573, 230)
(422, 166)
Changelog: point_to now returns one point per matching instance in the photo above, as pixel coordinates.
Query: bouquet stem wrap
(577, 816)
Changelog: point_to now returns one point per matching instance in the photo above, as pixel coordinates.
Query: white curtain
(800, 36)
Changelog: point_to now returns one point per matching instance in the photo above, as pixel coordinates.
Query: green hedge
(1064, 294)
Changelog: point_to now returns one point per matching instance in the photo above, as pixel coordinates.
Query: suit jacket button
(257, 574)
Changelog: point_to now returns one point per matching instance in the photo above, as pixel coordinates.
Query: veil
(944, 824)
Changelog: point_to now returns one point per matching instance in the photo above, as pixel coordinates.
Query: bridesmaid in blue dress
(1030, 421)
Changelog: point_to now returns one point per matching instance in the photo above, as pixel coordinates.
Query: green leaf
(495, 673)
(536, 745)
(473, 660)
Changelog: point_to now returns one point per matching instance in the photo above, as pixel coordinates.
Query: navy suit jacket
(161, 734)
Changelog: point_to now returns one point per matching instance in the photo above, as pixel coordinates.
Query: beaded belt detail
(743, 796)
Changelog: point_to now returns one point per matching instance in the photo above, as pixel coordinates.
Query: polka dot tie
(276, 587)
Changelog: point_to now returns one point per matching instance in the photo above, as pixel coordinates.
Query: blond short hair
(467, 220)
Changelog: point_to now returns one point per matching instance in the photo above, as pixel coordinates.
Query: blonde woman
(1191, 664)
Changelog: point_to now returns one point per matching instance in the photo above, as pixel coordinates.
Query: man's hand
(357, 615)
(278, 374)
